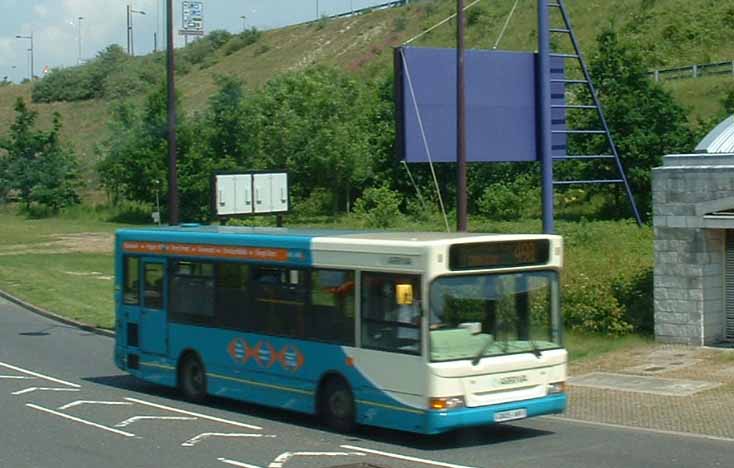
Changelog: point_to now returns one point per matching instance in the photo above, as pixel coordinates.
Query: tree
(645, 120)
(36, 164)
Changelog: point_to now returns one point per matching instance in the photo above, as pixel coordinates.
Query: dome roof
(720, 140)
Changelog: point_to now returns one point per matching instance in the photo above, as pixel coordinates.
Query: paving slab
(642, 384)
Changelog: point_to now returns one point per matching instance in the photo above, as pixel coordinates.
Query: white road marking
(40, 376)
(198, 415)
(405, 457)
(16, 377)
(47, 389)
(283, 458)
(195, 440)
(79, 420)
(640, 429)
(236, 463)
(134, 419)
(90, 402)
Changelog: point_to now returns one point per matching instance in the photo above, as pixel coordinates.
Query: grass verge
(58, 277)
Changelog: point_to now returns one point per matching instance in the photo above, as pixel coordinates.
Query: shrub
(320, 202)
(509, 200)
(589, 306)
(242, 40)
(474, 15)
(378, 207)
(635, 294)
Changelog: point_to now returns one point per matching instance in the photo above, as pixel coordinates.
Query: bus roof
(210, 233)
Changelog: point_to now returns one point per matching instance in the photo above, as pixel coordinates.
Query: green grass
(76, 285)
(581, 346)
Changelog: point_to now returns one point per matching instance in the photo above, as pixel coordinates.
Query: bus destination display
(499, 254)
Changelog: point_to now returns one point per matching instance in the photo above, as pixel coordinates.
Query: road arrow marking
(79, 420)
(236, 463)
(283, 458)
(40, 376)
(90, 402)
(195, 440)
(198, 415)
(404, 457)
(134, 419)
(47, 389)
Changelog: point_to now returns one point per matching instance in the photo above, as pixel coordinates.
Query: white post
(695, 71)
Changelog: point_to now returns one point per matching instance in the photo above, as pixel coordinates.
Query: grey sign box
(501, 105)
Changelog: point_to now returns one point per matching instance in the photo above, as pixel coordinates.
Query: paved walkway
(657, 372)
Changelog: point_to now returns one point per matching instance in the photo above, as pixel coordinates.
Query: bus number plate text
(511, 415)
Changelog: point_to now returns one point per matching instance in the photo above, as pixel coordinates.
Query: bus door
(153, 315)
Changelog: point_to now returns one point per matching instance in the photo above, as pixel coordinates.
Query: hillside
(672, 32)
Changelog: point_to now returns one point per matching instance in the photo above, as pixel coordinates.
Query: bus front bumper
(442, 421)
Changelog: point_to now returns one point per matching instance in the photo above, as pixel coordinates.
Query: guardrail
(694, 71)
(392, 4)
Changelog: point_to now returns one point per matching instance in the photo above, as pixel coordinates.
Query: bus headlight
(446, 403)
(557, 387)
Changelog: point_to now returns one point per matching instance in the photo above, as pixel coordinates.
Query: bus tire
(192, 378)
(337, 405)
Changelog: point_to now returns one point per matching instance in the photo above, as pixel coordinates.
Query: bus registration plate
(511, 415)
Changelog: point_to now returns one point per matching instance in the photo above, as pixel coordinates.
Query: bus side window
(331, 318)
(131, 281)
(391, 322)
(232, 300)
(153, 286)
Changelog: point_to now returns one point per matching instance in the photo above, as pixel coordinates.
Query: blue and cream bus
(423, 332)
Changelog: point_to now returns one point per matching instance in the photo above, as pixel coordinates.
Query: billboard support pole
(461, 197)
(545, 142)
(171, 85)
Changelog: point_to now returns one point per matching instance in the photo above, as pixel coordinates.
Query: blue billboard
(501, 105)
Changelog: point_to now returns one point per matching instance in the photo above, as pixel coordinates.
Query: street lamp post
(81, 18)
(29, 50)
(130, 39)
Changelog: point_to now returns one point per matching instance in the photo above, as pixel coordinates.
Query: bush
(510, 200)
(242, 40)
(589, 306)
(378, 207)
(635, 295)
(474, 15)
(320, 202)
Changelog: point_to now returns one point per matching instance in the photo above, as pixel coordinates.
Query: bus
(421, 332)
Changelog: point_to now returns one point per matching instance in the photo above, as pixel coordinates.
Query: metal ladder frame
(578, 55)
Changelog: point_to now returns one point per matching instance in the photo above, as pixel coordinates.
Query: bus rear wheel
(337, 406)
(192, 378)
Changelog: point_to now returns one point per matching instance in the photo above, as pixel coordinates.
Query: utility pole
(244, 25)
(172, 156)
(30, 51)
(81, 18)
(545, 121)
(461, 197)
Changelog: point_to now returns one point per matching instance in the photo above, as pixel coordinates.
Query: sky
(56, 28)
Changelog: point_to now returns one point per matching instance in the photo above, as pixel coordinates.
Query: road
(64, 404)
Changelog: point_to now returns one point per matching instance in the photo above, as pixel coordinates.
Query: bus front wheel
(192, 378)
(337, 406)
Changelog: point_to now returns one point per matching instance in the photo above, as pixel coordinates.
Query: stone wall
(689, 255)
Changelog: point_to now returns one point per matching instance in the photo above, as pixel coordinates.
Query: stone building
(693, 209)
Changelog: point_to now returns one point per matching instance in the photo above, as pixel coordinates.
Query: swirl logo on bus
(265, 355)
